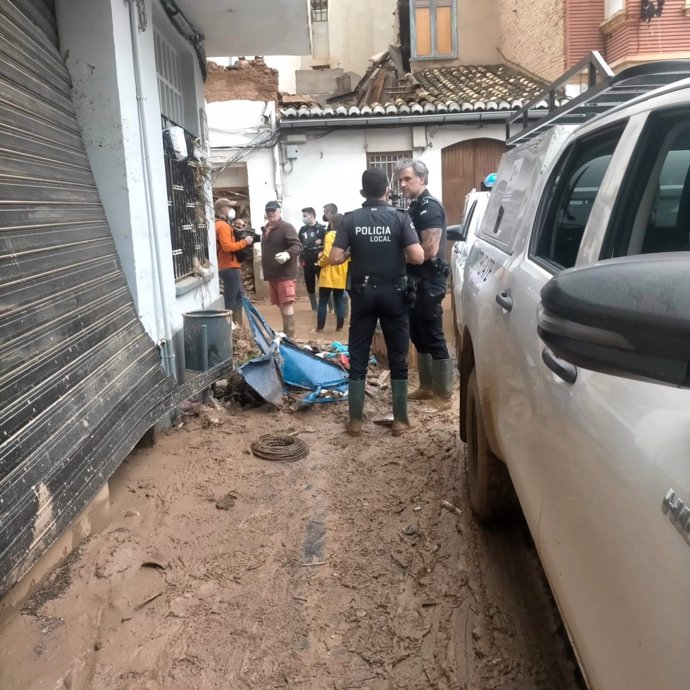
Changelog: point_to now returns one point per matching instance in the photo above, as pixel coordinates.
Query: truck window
(500, 223)
(654, 212)
(569, 198)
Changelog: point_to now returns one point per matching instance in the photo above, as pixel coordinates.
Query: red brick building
(546, 37)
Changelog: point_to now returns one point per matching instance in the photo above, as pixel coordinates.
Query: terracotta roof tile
(468, 88)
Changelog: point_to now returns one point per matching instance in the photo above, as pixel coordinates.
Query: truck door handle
(504, 299)
(562, 369)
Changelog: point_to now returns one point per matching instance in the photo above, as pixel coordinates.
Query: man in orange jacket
(228, 265)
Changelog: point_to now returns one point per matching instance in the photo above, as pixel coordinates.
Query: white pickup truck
(473, 213)
(574, 376)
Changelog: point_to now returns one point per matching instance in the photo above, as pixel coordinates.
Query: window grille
(168, 70)
(319, 10)
(187, 209)
(389, 163)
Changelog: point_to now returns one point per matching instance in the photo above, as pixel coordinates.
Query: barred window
(319, 10)
(186, 208)
(389, 163)
(169, 80)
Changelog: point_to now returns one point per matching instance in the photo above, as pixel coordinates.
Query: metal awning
(606, 91)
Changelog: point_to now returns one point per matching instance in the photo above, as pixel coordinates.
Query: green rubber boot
(442, 376)
(401, 422)
(312, 301)
(355, 404)
(425, 390)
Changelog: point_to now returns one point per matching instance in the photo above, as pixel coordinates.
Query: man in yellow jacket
(331, 280)
(228, 265)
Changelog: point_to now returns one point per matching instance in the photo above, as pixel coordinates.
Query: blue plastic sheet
(285, 367)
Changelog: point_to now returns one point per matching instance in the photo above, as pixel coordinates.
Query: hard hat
(490, 180)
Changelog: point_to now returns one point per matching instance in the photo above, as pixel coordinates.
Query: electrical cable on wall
(242, 152)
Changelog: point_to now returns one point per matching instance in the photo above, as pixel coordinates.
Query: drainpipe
(137, 13)
(277, 176)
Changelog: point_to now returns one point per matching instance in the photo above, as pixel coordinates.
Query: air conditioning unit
(175, 143)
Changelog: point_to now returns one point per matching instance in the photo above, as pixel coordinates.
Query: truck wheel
(492, 497)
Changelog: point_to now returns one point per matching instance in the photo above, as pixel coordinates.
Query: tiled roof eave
(493, 116)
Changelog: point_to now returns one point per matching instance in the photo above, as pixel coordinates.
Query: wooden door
(464, 166)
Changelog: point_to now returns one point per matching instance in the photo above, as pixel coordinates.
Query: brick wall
(532, 35)
(583, 20)
(665, 37)
(247, 80)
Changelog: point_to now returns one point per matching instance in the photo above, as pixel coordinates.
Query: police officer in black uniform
(379, 240)
(311, 235)
(428, 282)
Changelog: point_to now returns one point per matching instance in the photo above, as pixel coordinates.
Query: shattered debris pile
(243, 346)
(236, 391)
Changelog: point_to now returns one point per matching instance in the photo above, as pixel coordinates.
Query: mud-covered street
(358, 566)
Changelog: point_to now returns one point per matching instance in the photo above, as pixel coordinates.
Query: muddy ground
(358, 566)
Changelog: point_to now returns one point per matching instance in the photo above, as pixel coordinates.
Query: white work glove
(282, 257)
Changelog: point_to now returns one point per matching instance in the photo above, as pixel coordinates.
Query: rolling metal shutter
(80, 380)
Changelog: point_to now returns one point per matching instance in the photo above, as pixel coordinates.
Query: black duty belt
(373, 280)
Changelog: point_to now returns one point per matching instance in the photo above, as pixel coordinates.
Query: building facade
(106, 236)
(625, 32)
(542, 37)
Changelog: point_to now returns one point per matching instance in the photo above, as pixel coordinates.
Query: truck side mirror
(626, 317)
(456, 233)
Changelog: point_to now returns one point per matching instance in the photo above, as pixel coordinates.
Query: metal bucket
(207, 338)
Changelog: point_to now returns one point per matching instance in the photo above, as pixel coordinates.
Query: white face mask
(305, 220)
(231, 214)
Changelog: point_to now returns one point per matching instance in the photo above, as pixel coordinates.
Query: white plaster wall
(261, 176)
(207, 294)
(102, 72)
(233, 125)
(234, 175)
(286, 66)
(96, 39)
(359, 29)
(329, 169)
(320, 45)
